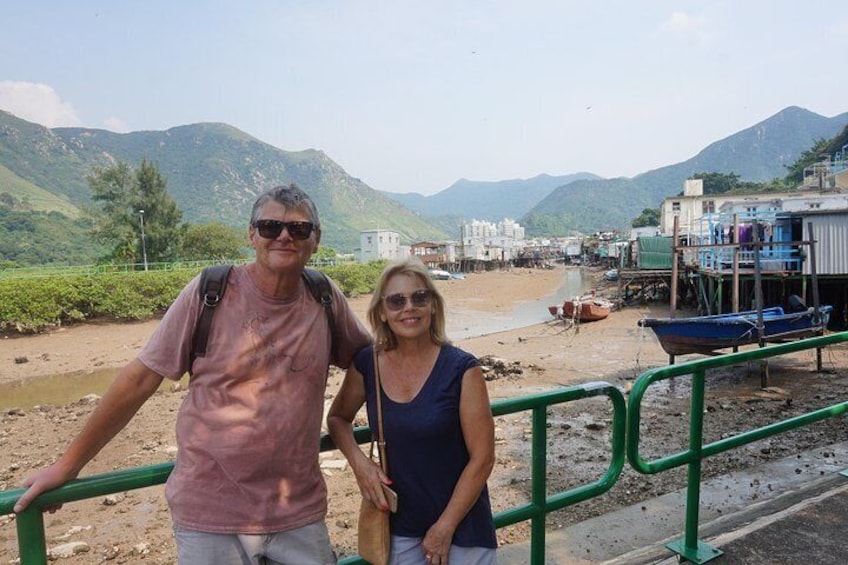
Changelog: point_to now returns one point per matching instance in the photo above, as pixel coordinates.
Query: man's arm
(134, 384)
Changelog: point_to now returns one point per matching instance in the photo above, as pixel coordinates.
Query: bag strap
(319, 287)
(381, 440)
(213, 283)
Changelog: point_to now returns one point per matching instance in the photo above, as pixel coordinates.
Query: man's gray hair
(290, 197)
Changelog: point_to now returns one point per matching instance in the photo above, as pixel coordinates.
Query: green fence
(626, 418)
(30, 523)
(689, 548)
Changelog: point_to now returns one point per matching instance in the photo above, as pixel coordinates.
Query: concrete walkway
(784, 512)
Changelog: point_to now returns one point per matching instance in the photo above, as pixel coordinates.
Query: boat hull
(707, 334)
(589, 310)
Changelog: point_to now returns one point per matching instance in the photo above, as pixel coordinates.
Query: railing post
(31, 540)
(689, 547)
(539, 474)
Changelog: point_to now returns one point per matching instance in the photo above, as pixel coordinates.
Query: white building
(483, 240)
(694, 205)
(379, 244)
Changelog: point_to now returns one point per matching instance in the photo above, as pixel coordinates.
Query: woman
(437, 423)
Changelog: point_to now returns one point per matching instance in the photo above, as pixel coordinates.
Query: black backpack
(213, 283)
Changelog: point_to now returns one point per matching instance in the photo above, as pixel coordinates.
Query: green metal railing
(30, 523)
(689, 547)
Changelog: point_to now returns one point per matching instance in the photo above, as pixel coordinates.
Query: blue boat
(707, 334)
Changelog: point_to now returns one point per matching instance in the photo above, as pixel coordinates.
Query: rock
(68, 550)
(142, 548)
(74, 530)
(111, 553)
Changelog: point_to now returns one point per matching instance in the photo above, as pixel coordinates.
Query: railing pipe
(690, 548)
(30, 523)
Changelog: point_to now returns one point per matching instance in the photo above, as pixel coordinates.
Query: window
(675, 207)
(708, 206)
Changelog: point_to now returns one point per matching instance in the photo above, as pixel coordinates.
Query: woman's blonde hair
(410, 266)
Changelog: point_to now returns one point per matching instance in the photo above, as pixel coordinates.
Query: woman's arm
(347, 403)
(478, 429)
(134, 384)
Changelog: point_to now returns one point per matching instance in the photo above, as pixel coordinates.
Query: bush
(33, 305)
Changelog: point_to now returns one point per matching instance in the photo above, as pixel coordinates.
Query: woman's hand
(370, 478)
(436, 544)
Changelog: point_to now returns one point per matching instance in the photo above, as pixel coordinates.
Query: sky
(411, 96)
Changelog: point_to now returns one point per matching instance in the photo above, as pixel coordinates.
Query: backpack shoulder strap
(319, 286)
(213, 283)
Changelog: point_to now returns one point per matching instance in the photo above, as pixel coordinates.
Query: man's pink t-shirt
(248, 430)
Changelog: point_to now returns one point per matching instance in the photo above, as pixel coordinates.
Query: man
(246, 487)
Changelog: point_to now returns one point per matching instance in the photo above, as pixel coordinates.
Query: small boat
(584, 309)
(706, 334)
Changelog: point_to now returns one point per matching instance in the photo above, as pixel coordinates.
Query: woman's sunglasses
(271, 229)
(419, 299)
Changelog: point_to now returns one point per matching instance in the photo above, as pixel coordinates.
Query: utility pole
(143, 242)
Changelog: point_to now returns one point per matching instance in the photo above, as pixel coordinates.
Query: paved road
(785, 512)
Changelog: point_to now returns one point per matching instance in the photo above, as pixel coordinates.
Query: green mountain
(759, 153)
(214, 173)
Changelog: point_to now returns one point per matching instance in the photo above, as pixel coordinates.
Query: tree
(325, 255)
(795, 176)
(648, 217)
(212, 241)
(162, 218)
(122, 201)
(821, 150)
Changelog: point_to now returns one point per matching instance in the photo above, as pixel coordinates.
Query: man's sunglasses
(271, 229)
(419, 299)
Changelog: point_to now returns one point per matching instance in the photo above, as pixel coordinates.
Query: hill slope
(759, 153)
(214, 173)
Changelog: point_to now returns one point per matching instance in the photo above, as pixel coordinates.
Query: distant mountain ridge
(484, 200)
(759, 153)
(214, 173)
(586, 203)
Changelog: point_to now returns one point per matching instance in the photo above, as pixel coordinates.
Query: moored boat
(583, 309)
(707, 334)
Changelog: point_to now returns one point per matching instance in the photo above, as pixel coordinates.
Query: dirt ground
(135, 526)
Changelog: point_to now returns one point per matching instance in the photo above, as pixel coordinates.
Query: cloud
(685, 25)
(116, 124)
(37, 103)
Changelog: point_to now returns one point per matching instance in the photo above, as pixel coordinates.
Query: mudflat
(127, 527)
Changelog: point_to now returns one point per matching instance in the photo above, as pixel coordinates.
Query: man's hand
(46, 479)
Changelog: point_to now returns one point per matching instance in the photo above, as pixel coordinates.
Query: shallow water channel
(69, 387)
